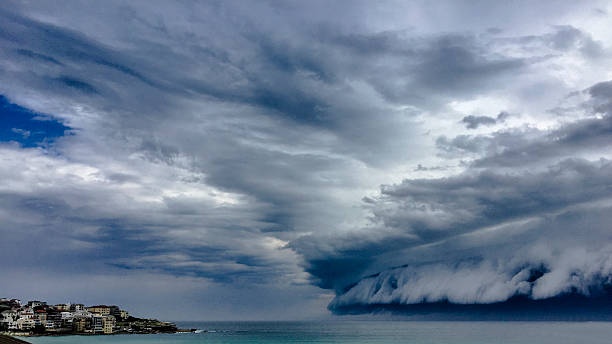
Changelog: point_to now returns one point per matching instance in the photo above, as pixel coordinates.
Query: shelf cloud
(535, 227)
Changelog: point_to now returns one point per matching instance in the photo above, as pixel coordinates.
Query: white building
(67, 315)
(36, 303)
(82, 314)
(13, 326)
(9, 314)
(26, 314)
(8, 319)
(25, 324)
(77, 307)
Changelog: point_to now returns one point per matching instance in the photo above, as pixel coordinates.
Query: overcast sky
(263, 159)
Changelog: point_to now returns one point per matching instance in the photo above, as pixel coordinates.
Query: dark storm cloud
(552, 256)
(231, 143)
(480, 236)
(424, 211)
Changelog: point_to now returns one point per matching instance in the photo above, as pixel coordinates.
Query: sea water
(411, 332)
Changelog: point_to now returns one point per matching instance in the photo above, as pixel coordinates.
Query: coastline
(38, 319)
(67, 333)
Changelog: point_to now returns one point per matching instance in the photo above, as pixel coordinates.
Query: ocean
(411, 332)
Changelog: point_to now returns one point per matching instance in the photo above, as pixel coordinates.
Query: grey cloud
(463, 144)
(452, 65)
(573, 139)
(473, 122)
(76, 84)
(122, 177)
(528, 146)
(602, 91)
(520, 195)
(33, 55)
(421, 168)
(568, 37)
(563, 39)
(119, 239)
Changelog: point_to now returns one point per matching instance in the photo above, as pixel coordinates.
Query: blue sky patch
(27, 127)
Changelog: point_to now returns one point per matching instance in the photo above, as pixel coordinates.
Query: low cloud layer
(393, 154)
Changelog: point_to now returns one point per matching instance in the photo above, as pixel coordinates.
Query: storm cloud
(278, 155)
(528, 219)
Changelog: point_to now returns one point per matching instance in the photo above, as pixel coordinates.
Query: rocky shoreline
(37, 318)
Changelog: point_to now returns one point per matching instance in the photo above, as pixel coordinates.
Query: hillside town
(39, 318)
